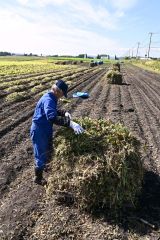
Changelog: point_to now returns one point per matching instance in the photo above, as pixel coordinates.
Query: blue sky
(79, 26)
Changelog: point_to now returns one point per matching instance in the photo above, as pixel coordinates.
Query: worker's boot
(38, 179)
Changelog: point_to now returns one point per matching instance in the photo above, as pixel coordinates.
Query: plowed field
(24, 211)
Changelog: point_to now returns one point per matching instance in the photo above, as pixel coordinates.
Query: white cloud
(23, 2)
(83, 11)
(123, 4)
(19, 35)
(91, 15)
(55, 2)
(16, 32)
(43, 3)
(98, 13)
(82, 28)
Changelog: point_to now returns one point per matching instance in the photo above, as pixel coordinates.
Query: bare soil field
(26, 213)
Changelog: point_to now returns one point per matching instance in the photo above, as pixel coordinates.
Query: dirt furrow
(27, 87)
(22, 202)
(17, 163)
(21, 207)
(145, 119)
(20, 129)
(129, 112)
(150, 91)
(88, 105)
(152, 77)
(15, 119)
(115, 104)
(131, 119)
(98, 109)
(18, 175)
(14, 109)
(85, 87)
(24, 76)
(152, 113)
(7, 111)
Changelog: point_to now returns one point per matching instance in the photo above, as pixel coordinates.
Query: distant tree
(5, 54)
(116, 58)
(98, 56)
(104, 56)
(82, 56)
(126, 58)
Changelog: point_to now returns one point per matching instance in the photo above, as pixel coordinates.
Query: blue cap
(63, 86)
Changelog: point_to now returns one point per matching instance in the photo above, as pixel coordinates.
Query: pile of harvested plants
(116, 66)
(114, 77)
(100, 168)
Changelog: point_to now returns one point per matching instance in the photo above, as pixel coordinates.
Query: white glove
(67, 114)
(76, 127)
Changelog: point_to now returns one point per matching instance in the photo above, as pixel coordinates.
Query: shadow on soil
(127, 84)
(146, 217)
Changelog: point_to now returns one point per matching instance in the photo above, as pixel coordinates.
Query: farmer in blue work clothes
(46, 114)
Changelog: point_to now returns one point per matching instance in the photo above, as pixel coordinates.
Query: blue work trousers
(42, 145)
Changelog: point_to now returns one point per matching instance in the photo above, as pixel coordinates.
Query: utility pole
(128, 53)
(150, 40)
(132, 52)
(137, 49)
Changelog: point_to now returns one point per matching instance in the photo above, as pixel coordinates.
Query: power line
(156, 42)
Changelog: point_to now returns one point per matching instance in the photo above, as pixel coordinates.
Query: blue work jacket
(45, 112)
